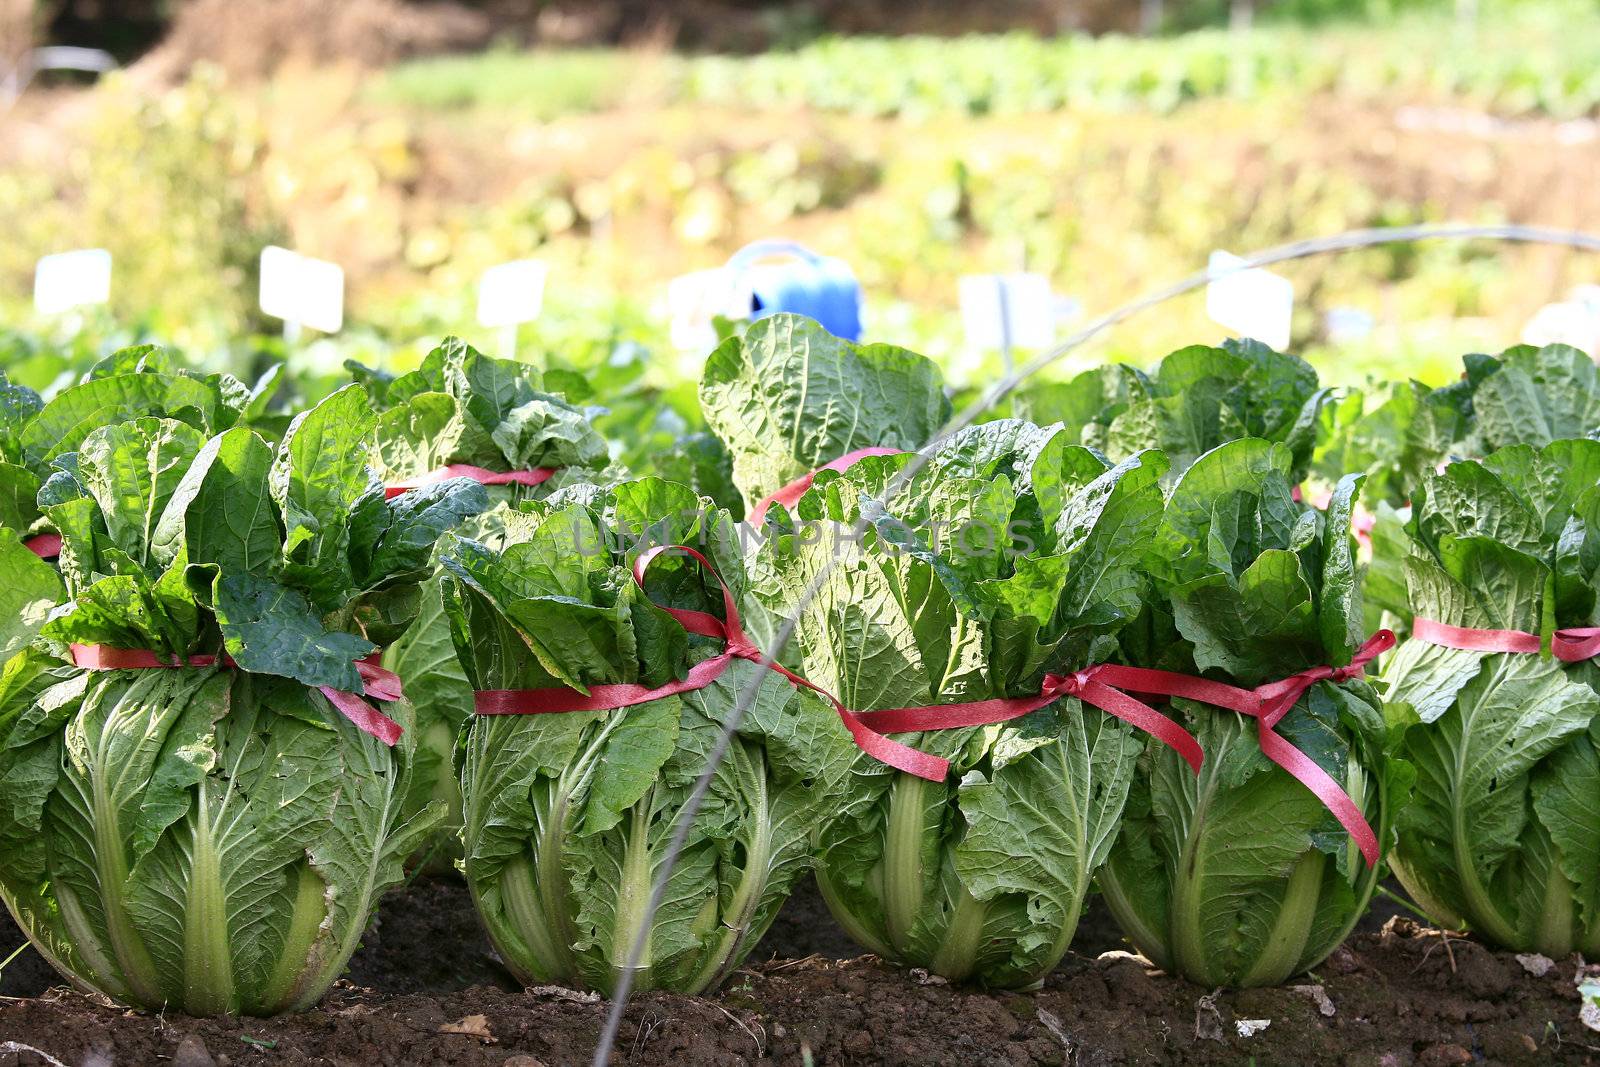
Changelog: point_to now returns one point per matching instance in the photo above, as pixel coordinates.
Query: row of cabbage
(1518, 67)
(256, 665)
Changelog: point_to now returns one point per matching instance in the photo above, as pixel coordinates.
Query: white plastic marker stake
(695, 300)
(1255, 303)
(301, 291)
(1007, 312)
(1570, 322)
(69, 280)
(508, 296)
(1347, 325)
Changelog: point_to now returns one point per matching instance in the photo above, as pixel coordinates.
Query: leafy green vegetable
(213, 839)
(38, 438)
(787, 397)
(29, 589)
(18, 404)
(1536, 396)
(464, 407)
(700, 461)
(436, 685)
(1502, 834)
(1194, 400)
(649, 416)
(1240, 876)
(196, 840)
(1012, 553)
(1526, 395)
(461, 406)
(568, 816)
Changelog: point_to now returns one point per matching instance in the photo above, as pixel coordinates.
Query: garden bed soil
(426, 989)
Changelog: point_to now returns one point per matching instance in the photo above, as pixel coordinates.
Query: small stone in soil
(192, 1052)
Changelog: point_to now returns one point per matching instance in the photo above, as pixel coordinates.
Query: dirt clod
(1444, 1056)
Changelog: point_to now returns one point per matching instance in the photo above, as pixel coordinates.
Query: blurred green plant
(541, 85)
(167, 183)
(1521, 59)
(185, 186)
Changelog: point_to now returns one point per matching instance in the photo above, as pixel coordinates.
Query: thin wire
(1352, 239)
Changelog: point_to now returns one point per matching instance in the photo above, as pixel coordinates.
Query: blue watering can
(818, 287)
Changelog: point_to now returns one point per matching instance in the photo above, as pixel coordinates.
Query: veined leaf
(788, 397)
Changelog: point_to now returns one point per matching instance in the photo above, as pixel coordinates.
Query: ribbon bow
(736, 645)
(481, 475)
(1268, 704)
(1088, 685)
(1570, 645)
(379, 683)
(790, 494)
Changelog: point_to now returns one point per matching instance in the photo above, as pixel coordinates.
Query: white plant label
(512, 293)
(695, 299)
(1001, 311)
(1570, 322)
(68, 280)
(301, 290)
(1254, 303)
(1347, 325)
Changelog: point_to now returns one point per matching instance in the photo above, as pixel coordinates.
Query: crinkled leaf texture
(436, 685)
(1240, 876)
(29, 589)
(212, 839)
(1536, 396)
(132, 383)
(462, 406)
(1503, 834)
(64, 423)
(568, 816)
(194, 840)
(1525, 395)
(1194, 400)
(182, 546)
(1012, 552)
(787, 397)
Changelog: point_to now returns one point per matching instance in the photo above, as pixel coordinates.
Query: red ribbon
(1363, 522)
(611, 697)
(1101, 687)
(1088, 685)
(1570, 645)
(1268, 704)
(867, 728)
(790, 494)
(379, 683)
(45, 545)
(481, 475)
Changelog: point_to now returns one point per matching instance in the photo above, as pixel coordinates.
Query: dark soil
(426, 989)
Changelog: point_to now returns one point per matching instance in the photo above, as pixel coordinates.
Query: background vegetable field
(434, 690)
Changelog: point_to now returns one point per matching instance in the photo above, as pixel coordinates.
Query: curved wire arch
(988, 398)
